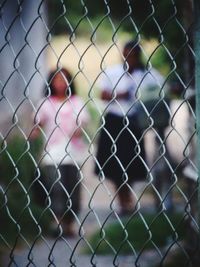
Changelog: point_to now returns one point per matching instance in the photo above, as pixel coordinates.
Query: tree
(166, 21)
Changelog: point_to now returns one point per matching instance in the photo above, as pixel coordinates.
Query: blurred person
(121, 154)
(190, 170)
(60, 117)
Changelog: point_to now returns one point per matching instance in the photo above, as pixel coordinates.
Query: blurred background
(86, 37)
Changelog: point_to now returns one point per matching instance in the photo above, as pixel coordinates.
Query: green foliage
(18, 211)
(164, 21)
(18, 160)
(151, 19)
(137, 235)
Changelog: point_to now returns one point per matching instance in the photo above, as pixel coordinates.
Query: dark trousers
(59, 189)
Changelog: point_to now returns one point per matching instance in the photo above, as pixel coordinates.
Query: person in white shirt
(120, 148)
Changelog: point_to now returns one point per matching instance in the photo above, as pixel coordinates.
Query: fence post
(197, 88)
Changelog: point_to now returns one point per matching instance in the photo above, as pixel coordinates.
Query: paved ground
(62, 257)
(69, 252)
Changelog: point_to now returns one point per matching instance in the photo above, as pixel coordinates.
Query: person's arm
(107, 95)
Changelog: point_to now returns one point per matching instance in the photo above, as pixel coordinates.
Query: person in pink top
(61, 118)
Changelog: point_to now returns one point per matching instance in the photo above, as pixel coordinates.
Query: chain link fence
(98, 159)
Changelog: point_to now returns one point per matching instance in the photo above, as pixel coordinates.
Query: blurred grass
(137, 235)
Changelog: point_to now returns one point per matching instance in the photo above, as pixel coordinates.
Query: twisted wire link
(188, 82)
(16, 125)
(151, 124)
(160, 158)
(174, 178)
(16, 162)
(103, 236)
(15, 178)
(175, 184)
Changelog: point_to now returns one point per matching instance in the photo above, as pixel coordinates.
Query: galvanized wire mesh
(37, 36)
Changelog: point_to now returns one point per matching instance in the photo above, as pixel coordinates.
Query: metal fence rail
(57, 207)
